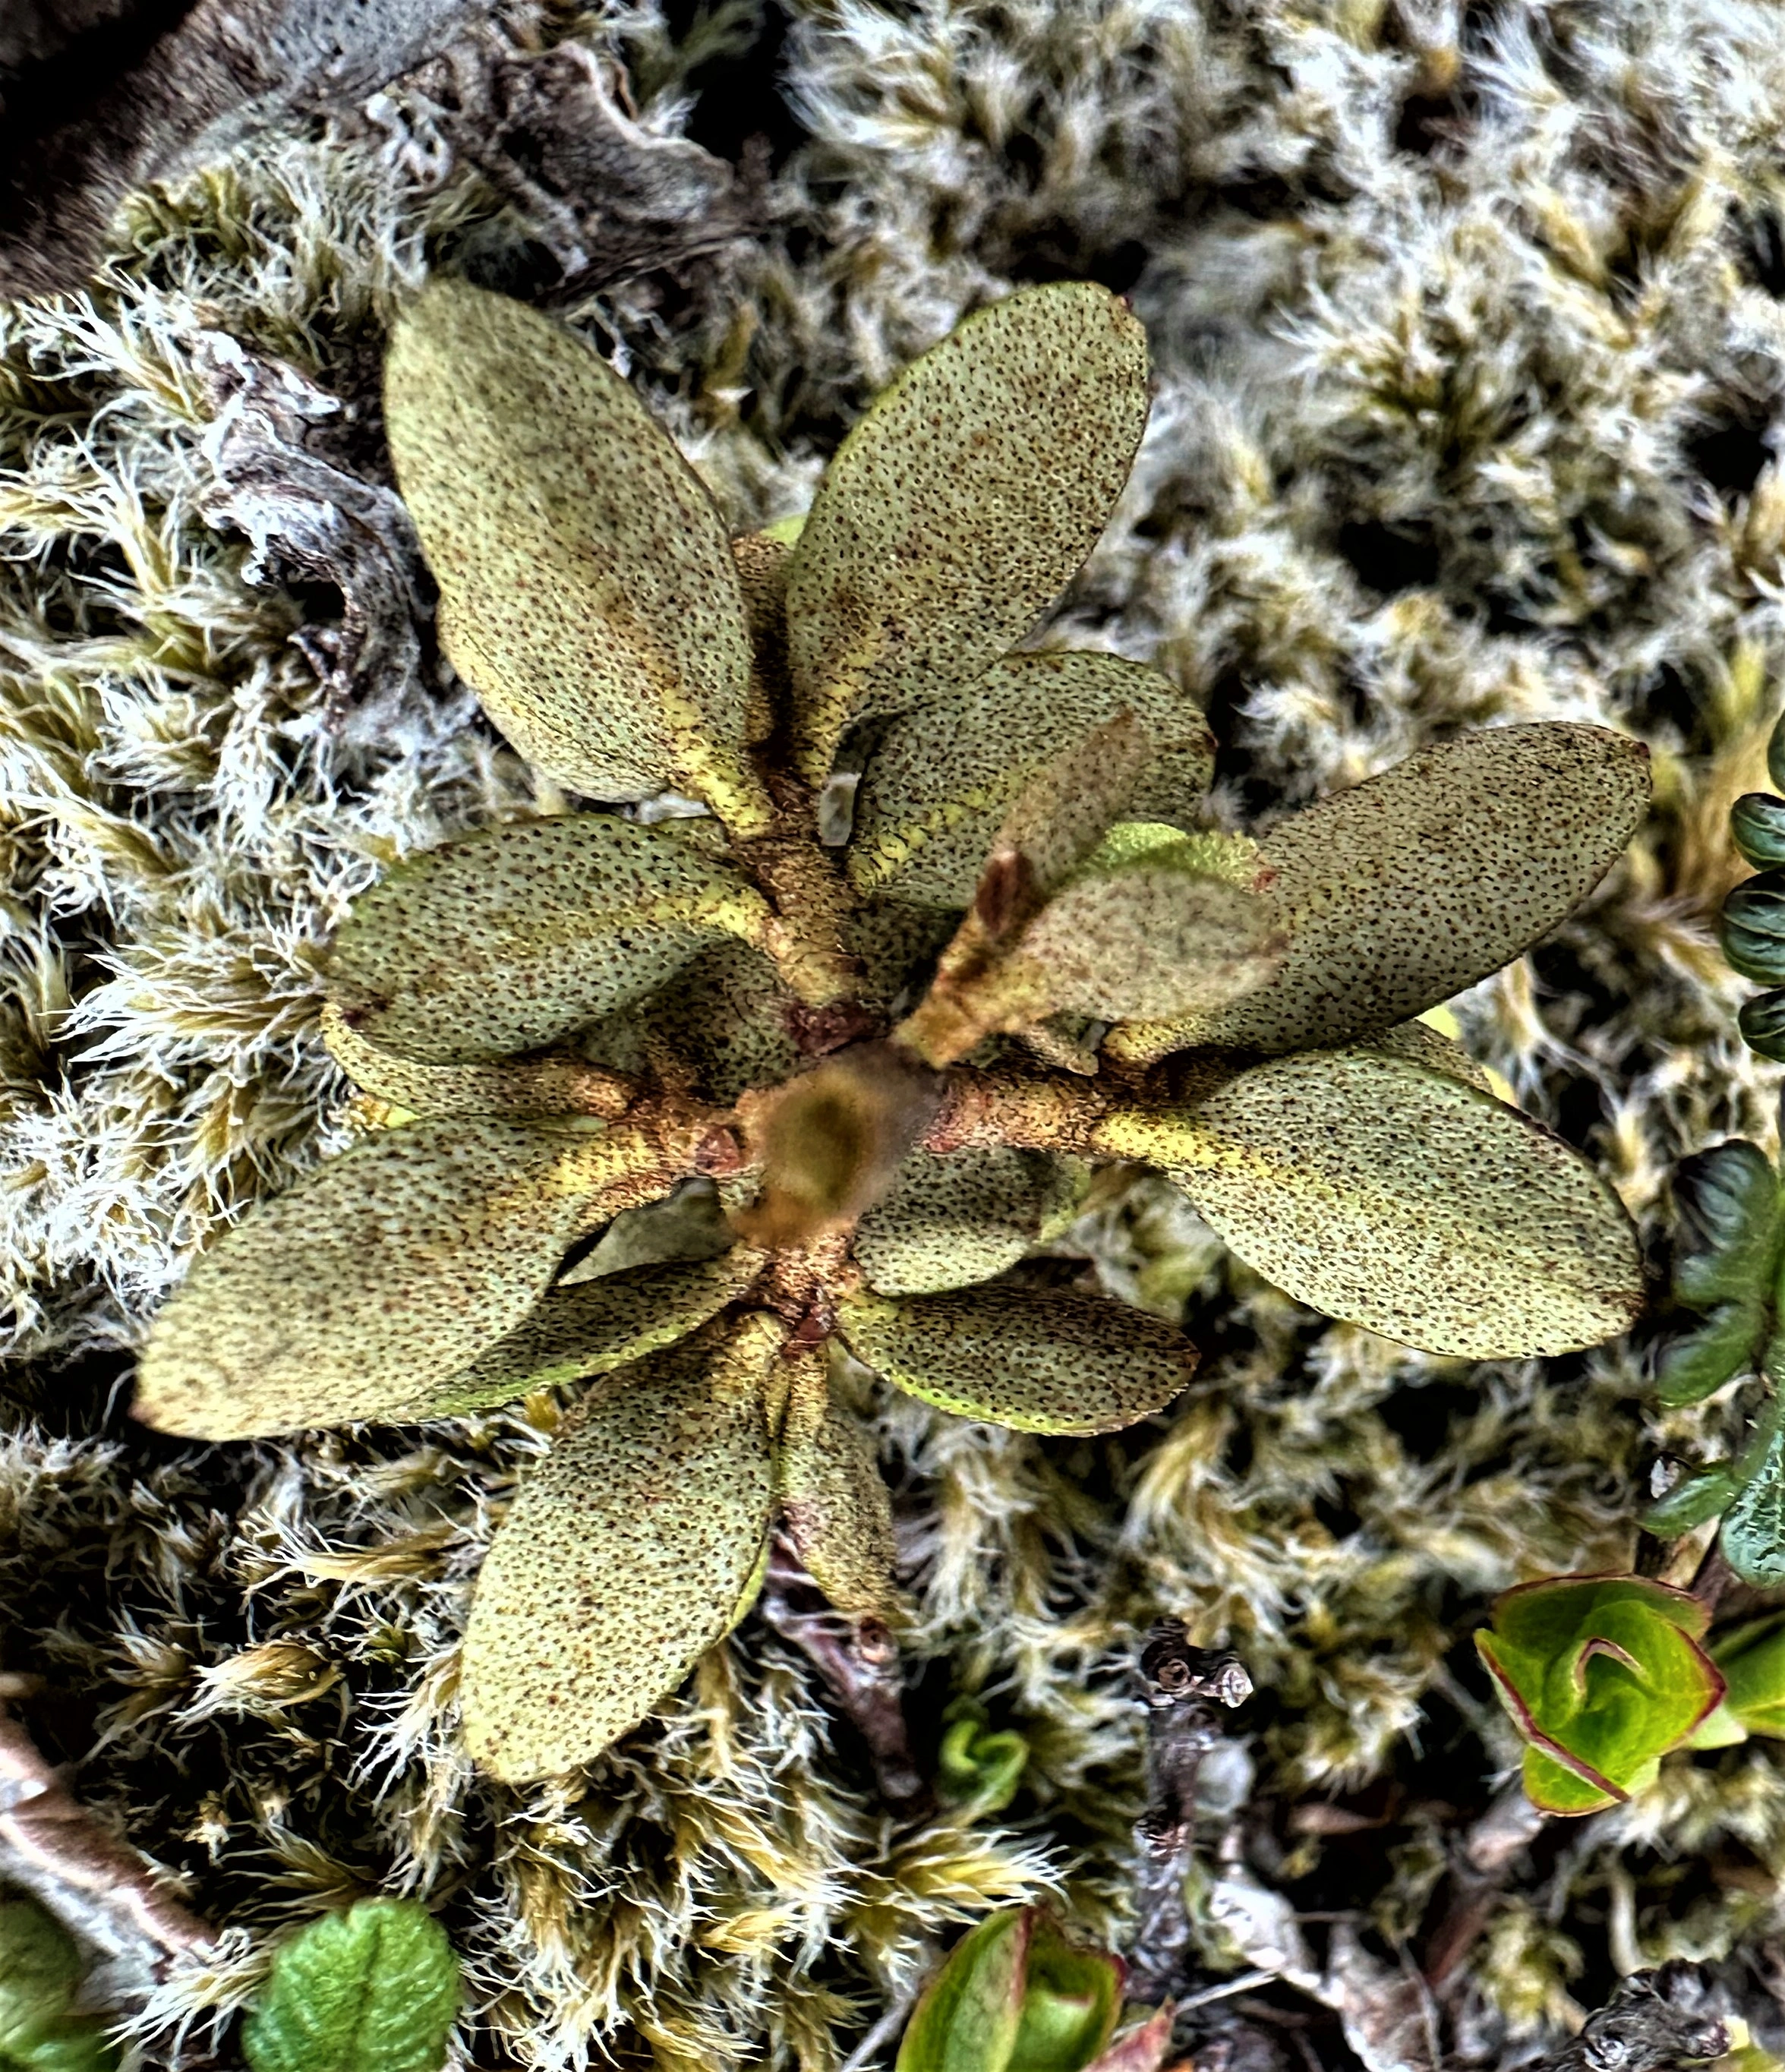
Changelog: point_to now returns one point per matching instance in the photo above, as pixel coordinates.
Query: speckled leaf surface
(588, 593)
(624, 1557)
(546, 1083)
(593, 1327)
(1427, 1046)
(1382, 1191)
(948, 1222)
(960, 507)
(832, 1497)
(1035, 1359)
(941, 780)
(1400, 892)
(1141, 933)
(513, 936)
(372, 1280)
(761, 562)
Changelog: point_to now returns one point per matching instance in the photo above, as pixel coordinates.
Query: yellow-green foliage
(411, 1276)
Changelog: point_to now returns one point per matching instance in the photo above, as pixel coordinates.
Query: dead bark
(99, 1888)
(100, 96)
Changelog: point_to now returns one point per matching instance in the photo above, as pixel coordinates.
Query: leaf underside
(370, 1281)
(1031, 1358)
(588, 591)
(1391, 1194)
(512, 937)
(956, 511)
(1403, 891)
(624, 1557)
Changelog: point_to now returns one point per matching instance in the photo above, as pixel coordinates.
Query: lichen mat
(898, 1060)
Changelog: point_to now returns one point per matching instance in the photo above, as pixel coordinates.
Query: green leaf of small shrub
(1752, 930)
(1753, 1538)
(1757, 823)
(376, 1989)
(1603, 1676)
(1751, 1659)
(40, 1974)
(1014, 1996)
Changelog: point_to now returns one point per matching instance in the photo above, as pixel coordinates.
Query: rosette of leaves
(1728, 1255)
(812, 1087)
(1017, 1995)
(1603, 1676)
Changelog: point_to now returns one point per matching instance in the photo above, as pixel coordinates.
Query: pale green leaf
(1401, 892)
(941, 780)
(513, 936)
(725, 1018)
(588, 593)
(1380, 1191)
(1035, 1359)
(960, 506)
(519, 1089)
(376, 1989)
(834, 1502)
(591, 1327)
(1427, 1046)
(373, 1280)
(41, 2030)
(625, 1556)
(947, 1222)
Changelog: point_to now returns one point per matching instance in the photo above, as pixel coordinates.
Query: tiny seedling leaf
(376, 1989)
(1603, 1676)
(1400, 893)
(1015, 1995)
(1382, 1191)
(515, 935)
(955, 513)
(1035, 1360)
(588, 593)
(626, 1555)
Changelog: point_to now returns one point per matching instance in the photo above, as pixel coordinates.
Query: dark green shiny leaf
(1752, 929)
(1757, 823)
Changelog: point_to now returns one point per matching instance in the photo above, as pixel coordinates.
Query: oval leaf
(43, 2028)
(1400, 893)
(588, 593)
(1032, 1358)
(371, 1281)
(376, 1989)
(590, 1328)
(940, 784)
(515, 935)
(960, 507)
(833, 1502)
(1731, 1226)
(1386, 1193)
(625, 1556)
(1753, 1533)
(947, 1222)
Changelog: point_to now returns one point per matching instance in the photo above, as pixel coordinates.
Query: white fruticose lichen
(1470, 355)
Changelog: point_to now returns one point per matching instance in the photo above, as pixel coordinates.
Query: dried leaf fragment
(588, 593)
(625, 1556)
(956, 510)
